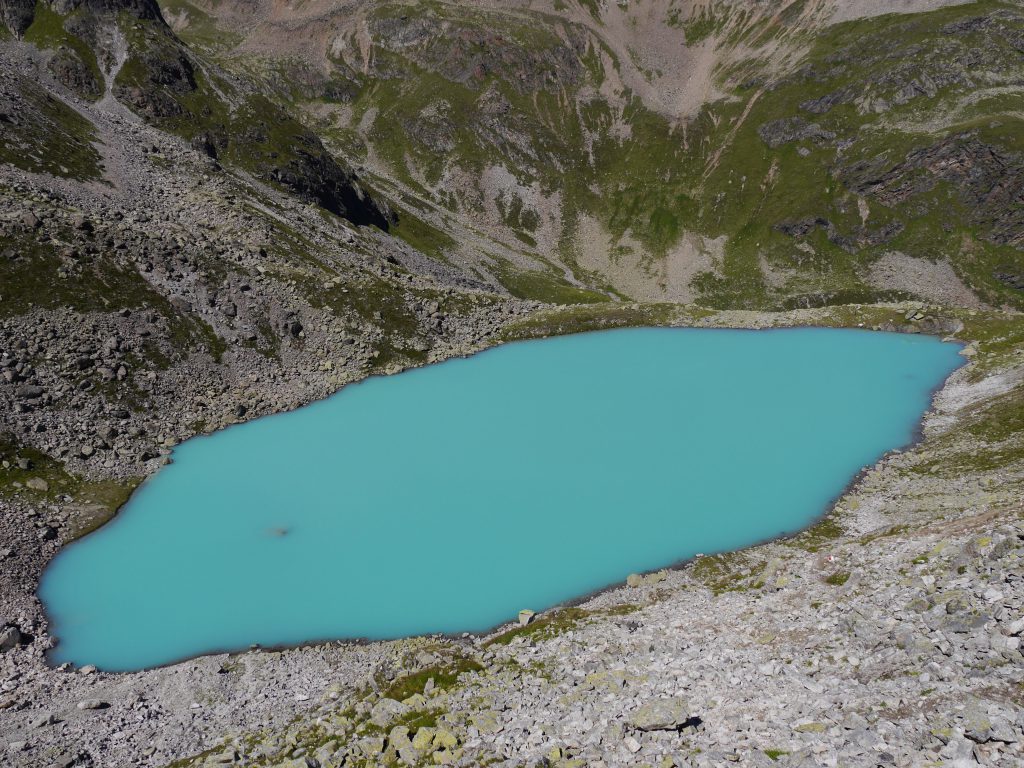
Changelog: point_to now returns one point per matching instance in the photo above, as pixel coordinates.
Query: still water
(446, 498)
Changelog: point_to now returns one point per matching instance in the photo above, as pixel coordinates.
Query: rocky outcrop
(263, 137)
(465, 51)
(148, 10)
(663, 715)
(987, 180)
(788, 130)
(17, 15)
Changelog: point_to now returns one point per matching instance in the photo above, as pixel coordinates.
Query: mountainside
(214, 210)
(735, 154)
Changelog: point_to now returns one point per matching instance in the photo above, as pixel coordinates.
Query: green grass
(97, 500)
(820, 535)
(727, 572)
(42, 279)
(544, 627)
(424, 237)
(838, 579)
(545, 286)
(444, 676)
(48, 137)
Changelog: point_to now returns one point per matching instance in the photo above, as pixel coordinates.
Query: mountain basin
(447, 498)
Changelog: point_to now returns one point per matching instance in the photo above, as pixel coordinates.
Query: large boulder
(386, 711)
(661, 715)
(10, 637)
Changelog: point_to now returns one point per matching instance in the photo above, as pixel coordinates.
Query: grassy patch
(49, 31)
(838, 579)
(819, 536)
(96, 501)
(47, 136)
(42, 277)
(551, 624)
(727, 572)
(445, 676)
(424, 237)
(545, 286)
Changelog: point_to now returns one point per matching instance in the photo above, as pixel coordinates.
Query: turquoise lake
(447, 498)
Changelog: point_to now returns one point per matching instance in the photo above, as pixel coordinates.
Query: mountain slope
(679, 168)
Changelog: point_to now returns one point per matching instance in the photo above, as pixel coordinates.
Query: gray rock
(10, 637)
(661, 715)
(779, 132)
(29, 392)
(386, 711)
(44, 720)
(93, 704)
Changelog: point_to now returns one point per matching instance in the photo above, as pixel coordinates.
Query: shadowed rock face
(17, 15)
(988, 180)
(143, 9)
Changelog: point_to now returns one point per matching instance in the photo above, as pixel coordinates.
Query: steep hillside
(718, 152)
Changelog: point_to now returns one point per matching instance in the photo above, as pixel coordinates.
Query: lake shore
(859, 561)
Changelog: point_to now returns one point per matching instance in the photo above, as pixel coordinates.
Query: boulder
(37, 484)
(87, 704)
(10, 637)
(44, 720)
(386, 711)
(399, 740)
(639, 580)
(526, 616)
(661, 715)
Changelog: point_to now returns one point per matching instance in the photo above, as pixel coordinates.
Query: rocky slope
(215, 211)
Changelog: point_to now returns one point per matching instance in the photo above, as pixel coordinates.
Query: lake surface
(447, 498)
